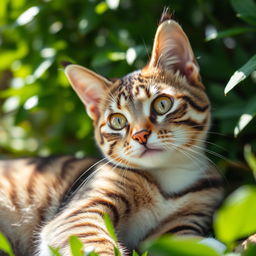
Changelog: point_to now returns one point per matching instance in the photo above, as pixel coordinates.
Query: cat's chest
(158, 205)
(147, 219)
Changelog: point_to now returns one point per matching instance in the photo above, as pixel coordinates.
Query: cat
(154, 179)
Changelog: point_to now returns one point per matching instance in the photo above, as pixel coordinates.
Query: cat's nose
(141, 136)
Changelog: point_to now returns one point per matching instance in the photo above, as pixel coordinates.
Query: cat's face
(147, 118)
(153, 115)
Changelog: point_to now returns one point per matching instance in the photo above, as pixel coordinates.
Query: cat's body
(31, 190)
(151, 126)
(136, 202)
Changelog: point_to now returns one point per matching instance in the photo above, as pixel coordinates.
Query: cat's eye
(162, 104)
(117, 121)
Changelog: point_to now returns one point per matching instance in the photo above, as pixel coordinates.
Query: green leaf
(5, 245)
(241, 74)
(245, 9)
(166, 246)
(116, 56)
(110, 227)
(145, 254)
(3, 11)
(244, 120)
(116, 252)
(111, 231)
(134, 253)
(9, 56)
(101, 8)
(251, 250)
(54, 251)
(228, 33)
(250, 158)
(249, 113)
(236, 218)
(76, 246)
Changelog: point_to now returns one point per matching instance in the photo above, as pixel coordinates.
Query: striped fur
(154, 179)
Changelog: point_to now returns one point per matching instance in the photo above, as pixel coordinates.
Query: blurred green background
(40, 113)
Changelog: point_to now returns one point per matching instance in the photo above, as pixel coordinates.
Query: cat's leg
(84, 220)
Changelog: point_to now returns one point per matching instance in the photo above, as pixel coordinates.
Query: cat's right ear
(89, 86)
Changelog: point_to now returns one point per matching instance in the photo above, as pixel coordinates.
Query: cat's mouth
(150, 151)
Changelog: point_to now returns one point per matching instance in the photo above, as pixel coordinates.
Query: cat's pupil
(163, 105)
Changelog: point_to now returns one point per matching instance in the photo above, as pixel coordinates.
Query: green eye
(117, 121)
(162, 104)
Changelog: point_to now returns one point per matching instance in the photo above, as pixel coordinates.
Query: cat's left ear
(89, 86)
(172, 51)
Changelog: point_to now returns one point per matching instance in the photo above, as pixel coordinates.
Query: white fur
(176, 180)
(43, 249)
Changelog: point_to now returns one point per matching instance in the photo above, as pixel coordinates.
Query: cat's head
(152, 115)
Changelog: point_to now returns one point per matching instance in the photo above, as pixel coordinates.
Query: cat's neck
(178, 173)
(181, 172)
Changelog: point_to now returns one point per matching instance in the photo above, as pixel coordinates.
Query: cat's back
(31, 190)
(25, 171)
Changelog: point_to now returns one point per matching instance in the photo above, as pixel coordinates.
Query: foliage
(235, 219)
(41, 115)
(110, 227)
(168, 245)
(5, 246)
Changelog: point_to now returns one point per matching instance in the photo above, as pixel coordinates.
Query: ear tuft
(166, 15)
(65, 63)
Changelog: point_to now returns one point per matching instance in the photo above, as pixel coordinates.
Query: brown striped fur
(154, 179)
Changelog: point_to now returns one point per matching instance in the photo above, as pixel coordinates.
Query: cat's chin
(148, 152)
(152, 158)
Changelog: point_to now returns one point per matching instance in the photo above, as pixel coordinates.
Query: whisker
(91, 175)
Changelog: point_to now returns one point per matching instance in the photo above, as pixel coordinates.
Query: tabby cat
(151, 127)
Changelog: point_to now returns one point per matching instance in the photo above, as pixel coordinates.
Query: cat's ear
(89, 86)
(172, 51)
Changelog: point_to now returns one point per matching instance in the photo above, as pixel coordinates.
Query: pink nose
(141, 136)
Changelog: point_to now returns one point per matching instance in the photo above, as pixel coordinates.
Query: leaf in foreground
(111, 231)
(54, 252)
(236, 218)
(134, 253)
(241, 74)
(166, 246)
(76, 246)
(110, 227)
(5, 245)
